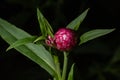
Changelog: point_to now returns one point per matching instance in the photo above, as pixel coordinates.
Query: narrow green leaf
(33, 52)
(17, 33)
(39, 38)
(94, 34)
(48, 27)
(43, 54)
(22, 42)
(70, 76)
(36, 53)
(45, 27)
(41, 22)
(77, 21)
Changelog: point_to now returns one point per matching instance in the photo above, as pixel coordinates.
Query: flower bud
(49, 41)
(65, 39)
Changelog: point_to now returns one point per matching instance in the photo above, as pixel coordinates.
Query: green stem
(57, 67)
(64, 66)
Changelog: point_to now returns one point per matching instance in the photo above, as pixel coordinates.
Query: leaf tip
(8, 48)
(113, 29)
(79, 43)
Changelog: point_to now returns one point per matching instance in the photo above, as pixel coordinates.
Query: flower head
(65, 39)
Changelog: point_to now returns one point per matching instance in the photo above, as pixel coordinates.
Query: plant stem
(57, 67)
(64, 66)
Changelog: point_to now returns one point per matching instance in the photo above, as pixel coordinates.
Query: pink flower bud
(49, 41)
(65, 39)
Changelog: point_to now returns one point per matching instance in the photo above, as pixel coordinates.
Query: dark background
(91, 58)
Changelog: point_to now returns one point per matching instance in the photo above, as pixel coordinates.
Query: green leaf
(77, 21)
(49, 28)
(36, 53)
(70, 76)
(45, 27)
(39, 38)
(22, 42)
(43, 54)
(94, 34)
